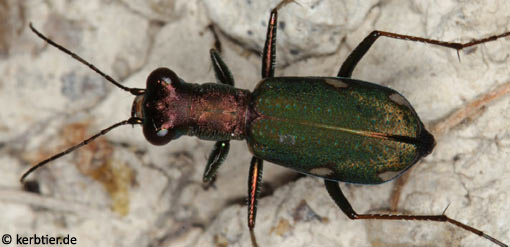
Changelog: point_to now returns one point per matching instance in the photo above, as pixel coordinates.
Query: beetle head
(162, 107)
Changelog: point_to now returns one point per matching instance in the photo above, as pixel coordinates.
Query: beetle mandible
(360, 132)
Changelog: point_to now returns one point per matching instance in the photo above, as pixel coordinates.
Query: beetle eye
(162, 132)
(155, 135)
(161, 76)
(167, 80)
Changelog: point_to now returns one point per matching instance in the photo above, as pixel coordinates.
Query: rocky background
(122, 191)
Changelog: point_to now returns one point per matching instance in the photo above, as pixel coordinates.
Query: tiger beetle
(335, 128)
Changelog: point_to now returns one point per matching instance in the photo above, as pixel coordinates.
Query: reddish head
(163, 107)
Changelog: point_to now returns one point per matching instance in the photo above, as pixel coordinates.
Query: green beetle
(336, 128)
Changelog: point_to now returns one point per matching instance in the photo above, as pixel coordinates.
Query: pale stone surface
(43, 91)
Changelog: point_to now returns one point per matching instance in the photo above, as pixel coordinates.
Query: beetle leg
(254, 184)
(217, 42)
(223, 74)
(356, 55)
(216, 158)
(269, 53)
(336, 194)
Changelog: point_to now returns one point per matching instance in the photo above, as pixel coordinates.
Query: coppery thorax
(171, 107)
(218, 112)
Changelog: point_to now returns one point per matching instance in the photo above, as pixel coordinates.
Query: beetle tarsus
(253, 238)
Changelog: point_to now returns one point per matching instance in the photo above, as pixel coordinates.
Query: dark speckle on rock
(31, 186)
(281, 25)
(303, 212)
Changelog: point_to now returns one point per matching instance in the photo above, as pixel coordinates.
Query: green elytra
(336, 128)
(350, 124)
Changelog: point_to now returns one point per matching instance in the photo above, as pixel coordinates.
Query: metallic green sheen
(335, 128)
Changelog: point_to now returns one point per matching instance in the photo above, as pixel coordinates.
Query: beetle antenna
(134, 91)
(133, 120)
